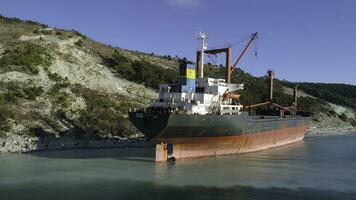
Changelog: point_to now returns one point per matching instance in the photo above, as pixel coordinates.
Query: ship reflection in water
(317, 168)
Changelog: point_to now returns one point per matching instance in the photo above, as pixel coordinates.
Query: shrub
(141, 71)
(77, 33)
(33, 92)
(24, 57)
(55, 90)
(79, 43)
(343, 117)
(77, 89)
(332, 112)
(13, 93)
(55, 77)
(353, 123)
(103, 113)
(46, 32)
(63, 99)
(11, 98)
(43, 31)
(5, 114)
(15, 20)
(341, 94)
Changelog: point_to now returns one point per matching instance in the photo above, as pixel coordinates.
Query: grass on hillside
(139, 71)
(12, 93)
(340, 94)
(24, 57)
(104, 113)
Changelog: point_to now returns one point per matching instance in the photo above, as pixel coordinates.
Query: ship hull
(224, 145)
(211, 135)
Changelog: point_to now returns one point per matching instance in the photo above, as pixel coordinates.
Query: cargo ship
(201, 116)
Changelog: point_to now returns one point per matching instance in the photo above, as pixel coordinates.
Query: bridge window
(199, 89)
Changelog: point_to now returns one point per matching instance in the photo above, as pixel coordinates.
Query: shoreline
(24, 144)
(312, 132)
(17, 144)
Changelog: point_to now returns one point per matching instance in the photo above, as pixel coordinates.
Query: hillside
(62, 89)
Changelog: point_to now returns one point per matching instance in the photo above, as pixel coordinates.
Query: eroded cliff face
(57, 92)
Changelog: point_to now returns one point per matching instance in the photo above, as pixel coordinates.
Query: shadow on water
(141, 154)
(77, 144)
(125, 189)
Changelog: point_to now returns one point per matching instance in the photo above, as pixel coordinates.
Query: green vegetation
(5, 115)
(14, 91)
(104, 114)
(79, 43)
(12, 28)
(55, 77)
(11, 94)
(140, 71)
(59, 97)
(24, 57)
(77, 33)
(341, 94)
(15, 20)
(43, 31)
(343, 117)
(33, 92)
(353, 122)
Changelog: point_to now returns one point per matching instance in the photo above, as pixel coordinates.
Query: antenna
(201, 36)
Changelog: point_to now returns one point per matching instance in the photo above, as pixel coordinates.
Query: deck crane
(229, 68)
(252, 38)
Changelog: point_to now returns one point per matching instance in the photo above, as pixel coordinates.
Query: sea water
(316, 168)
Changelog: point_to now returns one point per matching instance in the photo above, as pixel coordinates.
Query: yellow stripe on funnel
(190, 73)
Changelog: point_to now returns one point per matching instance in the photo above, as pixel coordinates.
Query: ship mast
(202, 37)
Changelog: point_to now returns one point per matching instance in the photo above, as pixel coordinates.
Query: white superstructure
(198, 95)
(207, 99)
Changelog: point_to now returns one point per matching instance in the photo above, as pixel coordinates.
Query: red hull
(212, 146)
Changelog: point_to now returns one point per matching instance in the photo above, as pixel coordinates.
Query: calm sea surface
(317, 168)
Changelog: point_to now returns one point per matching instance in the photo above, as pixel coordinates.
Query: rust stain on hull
(213, 146)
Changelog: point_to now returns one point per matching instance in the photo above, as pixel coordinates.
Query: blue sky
(304, 40)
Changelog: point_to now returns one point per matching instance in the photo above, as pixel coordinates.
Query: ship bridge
(198, 95)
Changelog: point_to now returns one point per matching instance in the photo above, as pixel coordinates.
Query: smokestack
(270, 78)
(295, 94)
(197, 72)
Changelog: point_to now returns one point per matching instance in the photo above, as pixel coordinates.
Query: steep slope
(59, 84)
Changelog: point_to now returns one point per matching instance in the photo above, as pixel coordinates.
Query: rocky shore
(21, 144)
(332, 129)
(328, 131)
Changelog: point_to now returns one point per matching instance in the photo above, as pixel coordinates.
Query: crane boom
(253, 37)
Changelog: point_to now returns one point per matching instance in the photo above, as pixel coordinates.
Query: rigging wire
(214, 58)
(244, 39)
